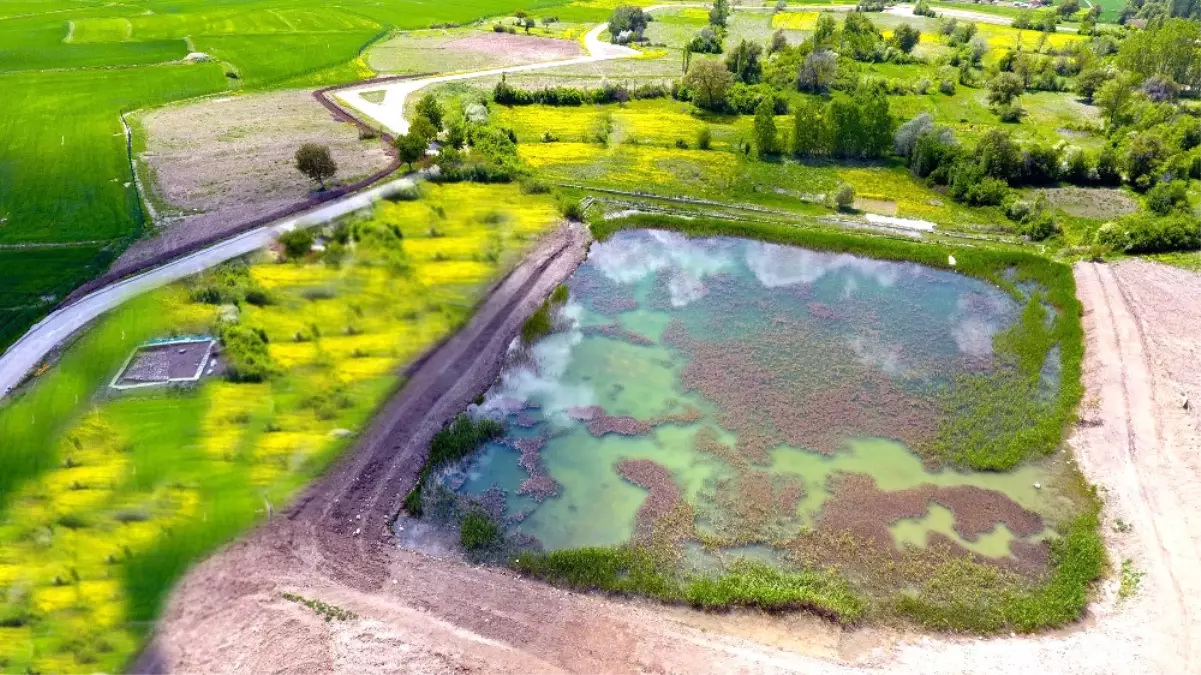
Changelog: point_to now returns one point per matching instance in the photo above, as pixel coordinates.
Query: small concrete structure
(161, 362)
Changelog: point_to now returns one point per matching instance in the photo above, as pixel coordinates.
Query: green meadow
(68, 69)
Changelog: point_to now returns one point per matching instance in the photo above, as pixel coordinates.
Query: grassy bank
(629, 570)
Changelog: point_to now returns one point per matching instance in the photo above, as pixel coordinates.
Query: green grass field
(68, 69)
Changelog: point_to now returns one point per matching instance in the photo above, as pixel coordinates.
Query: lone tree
(767, 136)
(411, 147)
(709, 81)
(314, 161)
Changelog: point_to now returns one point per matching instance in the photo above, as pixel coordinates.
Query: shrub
(1038, 227)
(947, 86)
(570, 209)
(540, 324)
(478, 533)
(1165, 198)
(454, 442)
(296, 243)
(246, 354)
(1146, 233)
(704, 138)
(844, 197)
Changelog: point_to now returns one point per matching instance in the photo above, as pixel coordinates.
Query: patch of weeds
(457, 440)
(1131, 578)
(1122, 526)
(967, 596)
(478, 532)
(325, 610)
(632, 570)
(539, 325)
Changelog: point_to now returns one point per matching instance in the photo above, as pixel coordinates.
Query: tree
(1172, 50)
(846, 129)
(314, 161)
(824, 32)
(528, 23)
(720, 14)
(767, 137)
(876, 121)
(1005, 87)
(998, 156)
(424, 128)
(906, 138)
(1090, 80)
(817, 72)
(709, 81)
(779, 41)
(905, 38)
(743, 62)
(1069, 7)
(807, 136)
(429, 108)
(628, 18)
(411, 147)
(706, 41)
(1114, 98)
(860, 39)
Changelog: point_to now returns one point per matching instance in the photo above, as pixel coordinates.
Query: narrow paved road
(44, 336)
(390, 112)
(28, 351)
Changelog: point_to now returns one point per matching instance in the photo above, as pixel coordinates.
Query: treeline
(506, 94)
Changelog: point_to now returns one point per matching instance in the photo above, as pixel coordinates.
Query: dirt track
(421, 614)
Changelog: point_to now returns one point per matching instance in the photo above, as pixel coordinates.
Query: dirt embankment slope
(420, 614)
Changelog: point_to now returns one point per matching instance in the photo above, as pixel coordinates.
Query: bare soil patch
(456, 51)
(1099, 203)
(220, 163)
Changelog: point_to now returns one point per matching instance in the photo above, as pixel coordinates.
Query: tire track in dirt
(1156, 512)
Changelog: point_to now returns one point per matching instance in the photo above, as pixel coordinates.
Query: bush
(540, 324)
(844, 197)
(1038, 227)
(454, 442)
(571, 210)
(704, 139)
(1165, 198)
(1146, 233)
(478, 533)
(296, 243)
(246, 354)
(947, 86)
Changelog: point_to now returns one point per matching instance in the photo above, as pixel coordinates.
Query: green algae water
(771, 389)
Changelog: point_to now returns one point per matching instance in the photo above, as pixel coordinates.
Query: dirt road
(420, 614)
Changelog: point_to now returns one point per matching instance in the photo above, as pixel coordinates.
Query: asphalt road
(44, 336)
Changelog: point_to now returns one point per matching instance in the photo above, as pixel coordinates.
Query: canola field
(100, 517)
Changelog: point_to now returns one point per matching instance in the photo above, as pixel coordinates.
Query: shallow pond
(757, 376)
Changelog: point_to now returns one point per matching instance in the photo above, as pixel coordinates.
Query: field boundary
(314, 200)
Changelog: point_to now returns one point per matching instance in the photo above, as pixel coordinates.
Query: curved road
(26, 352)
(44, 336)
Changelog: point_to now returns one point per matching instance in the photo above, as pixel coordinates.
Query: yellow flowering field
(141, 485)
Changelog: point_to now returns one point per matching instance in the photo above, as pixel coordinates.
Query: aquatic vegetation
(744, 422)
